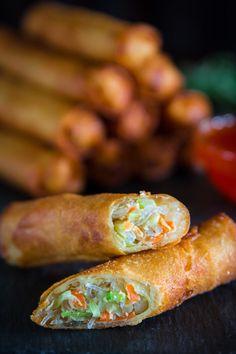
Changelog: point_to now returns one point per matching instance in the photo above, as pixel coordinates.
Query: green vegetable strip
(75, 314)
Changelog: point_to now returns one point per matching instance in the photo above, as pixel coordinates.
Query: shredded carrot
(80, 299)
(126, 316)
(105, 316)
(156, 239)
(128, 225)
(166, 225)
(132, 295)
(132, 208)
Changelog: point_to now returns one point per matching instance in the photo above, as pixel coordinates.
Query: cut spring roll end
(80, 132)
(91, 301)
(149, 221)
(130, 289)
(110, 89)
(136, 44)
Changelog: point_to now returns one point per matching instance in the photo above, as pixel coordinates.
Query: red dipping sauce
(214, 149)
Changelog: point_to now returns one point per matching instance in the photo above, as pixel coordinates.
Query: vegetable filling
(141, 222)
(96, 301)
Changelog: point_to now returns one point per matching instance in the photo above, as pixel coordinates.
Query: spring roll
(111, 163)
(91, 34)
(159, 77)
(188, 108)
(137, 123)
(36, 169)
(73, 129)
(156, 157)
(108, 88)
(129, 289)
(70, 227)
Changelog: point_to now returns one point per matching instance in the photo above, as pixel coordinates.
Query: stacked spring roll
(37, 169)
(108, 88)
(129, 289)
(134, 46)
(70, 227)
(95, 35)
(74, 130)
(107, 162)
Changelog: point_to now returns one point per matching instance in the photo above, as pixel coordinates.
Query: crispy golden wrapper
(94, 35)
(203, 260)
(37, 169)
(70, 227)
(107, 88)
(72, 128)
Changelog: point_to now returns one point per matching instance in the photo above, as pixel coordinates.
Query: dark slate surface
(204, 324)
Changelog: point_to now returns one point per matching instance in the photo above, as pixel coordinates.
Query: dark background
(191, 29)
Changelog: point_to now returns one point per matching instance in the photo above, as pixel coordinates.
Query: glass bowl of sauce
(214, 150)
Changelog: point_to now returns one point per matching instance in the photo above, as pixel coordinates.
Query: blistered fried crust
(69, 227)
(204, 259)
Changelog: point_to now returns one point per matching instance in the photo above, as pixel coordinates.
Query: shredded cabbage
(137, 221)
(67, 295)
(94, 308)
(103, 300)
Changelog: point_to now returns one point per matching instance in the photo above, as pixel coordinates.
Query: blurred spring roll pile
(98, 90)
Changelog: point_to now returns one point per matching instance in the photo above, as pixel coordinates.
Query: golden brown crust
(188, 108)
(108, 88)
(69, 227)
(105, 164)
(137, 123)
(204, 259)
(157, 156)
(37, 169)
(45, 117)
(96, 36)
(160, 77)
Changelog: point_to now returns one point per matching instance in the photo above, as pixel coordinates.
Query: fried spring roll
(108, 89)
(129, 289)
(37, 169)
(111, 163)
(188, 108)
(71, 227)
(75, 130)
(156, 157)
(92, 34)
(160, 77)
(137, 123)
